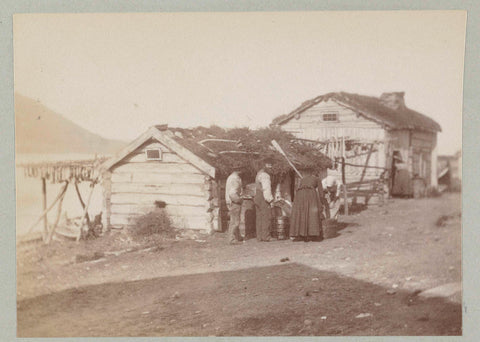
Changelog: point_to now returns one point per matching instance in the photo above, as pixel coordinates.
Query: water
(29, 194)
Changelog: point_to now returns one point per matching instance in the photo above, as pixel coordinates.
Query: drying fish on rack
(60, 171)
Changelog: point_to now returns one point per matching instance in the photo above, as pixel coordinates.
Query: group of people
(312, 199)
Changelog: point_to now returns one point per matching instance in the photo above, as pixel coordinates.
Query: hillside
(39, 129)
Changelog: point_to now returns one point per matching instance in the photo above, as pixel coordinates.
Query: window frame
(153, 149)
(331, 114)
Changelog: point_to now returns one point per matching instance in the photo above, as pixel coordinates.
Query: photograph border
(470, 125)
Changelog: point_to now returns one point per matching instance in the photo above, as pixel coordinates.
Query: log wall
(134, 185)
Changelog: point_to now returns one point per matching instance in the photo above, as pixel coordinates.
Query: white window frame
(153, 149)
(330, 113)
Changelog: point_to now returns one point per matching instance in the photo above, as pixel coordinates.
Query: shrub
(155, 222)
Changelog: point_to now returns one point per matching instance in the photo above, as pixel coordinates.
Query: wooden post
(280, 150)
(107, 194)
(81, 200)
(364, 171)
(345, 200)
(46, 210)
(345, 195)
(44, 207)
(59, 212)
(343, 171)
(85, 212)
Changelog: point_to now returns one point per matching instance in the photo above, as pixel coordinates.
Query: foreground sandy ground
(364, 281)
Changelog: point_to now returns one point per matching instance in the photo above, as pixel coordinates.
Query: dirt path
(206, 287)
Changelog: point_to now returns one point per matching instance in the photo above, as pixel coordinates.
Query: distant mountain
(39, 129)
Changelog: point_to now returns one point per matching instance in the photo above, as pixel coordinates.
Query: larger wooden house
(380, 134)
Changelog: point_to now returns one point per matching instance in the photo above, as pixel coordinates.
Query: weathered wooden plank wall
(349, 125)
(371, 154)
(418, 150)
(310, 124)
(140, 176)
(137, 183)
(423, 144)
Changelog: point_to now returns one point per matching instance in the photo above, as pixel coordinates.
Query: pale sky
(118, 74)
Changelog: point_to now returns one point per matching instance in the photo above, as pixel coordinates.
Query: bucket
(329, 228)
(249, 218)
(282, 226)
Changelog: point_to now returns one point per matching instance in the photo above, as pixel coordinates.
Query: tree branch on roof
(244, 152)
(219, 140)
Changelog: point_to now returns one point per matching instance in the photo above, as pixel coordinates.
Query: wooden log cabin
(377, 133)
(187, 169)
(153, 168)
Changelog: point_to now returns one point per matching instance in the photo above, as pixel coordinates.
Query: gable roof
(165, 137)
(372, 109)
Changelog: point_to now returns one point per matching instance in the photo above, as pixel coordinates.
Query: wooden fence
(360, 165)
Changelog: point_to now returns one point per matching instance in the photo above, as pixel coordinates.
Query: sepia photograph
(239, 173)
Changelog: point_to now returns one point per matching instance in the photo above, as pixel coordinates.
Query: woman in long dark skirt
(306, 218)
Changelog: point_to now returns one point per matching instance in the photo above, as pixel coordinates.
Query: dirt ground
(363, 281)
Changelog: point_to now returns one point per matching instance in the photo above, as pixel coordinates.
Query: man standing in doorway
(263, 201)
(233, 197)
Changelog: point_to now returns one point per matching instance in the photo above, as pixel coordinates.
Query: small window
(154, 154)
(330, 117)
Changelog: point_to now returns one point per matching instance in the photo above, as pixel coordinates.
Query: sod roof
(226, 149)
(371, 108)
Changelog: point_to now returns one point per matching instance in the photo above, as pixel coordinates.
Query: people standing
(332, 187)
(233, 198)
(306, 219)
(264, 201)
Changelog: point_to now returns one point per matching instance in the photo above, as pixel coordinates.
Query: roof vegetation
(226, 149)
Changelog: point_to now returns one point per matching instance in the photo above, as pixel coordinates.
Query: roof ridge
(372, 108)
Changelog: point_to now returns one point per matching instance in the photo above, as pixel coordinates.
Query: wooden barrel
(329, 228)
(419, 188)
(282, 225)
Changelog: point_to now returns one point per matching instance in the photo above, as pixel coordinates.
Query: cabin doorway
(400, 177)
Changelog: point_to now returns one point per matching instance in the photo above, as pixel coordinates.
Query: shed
(186, 169)
(154, 167)
(377, 132)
